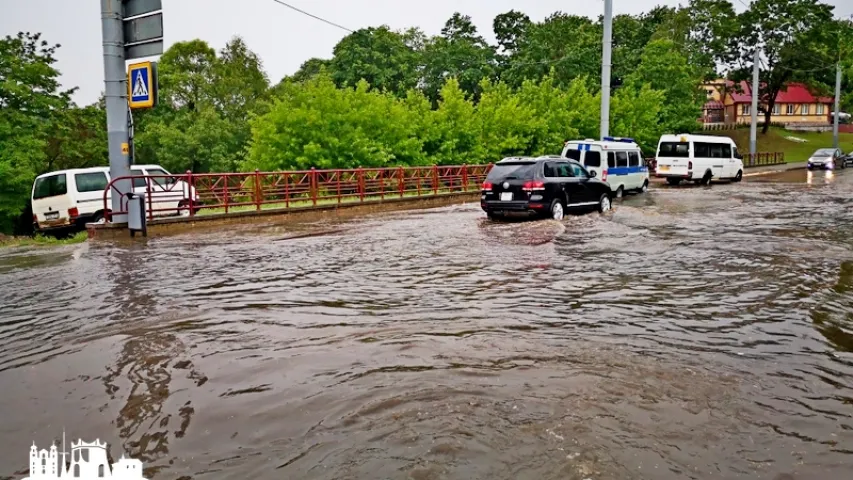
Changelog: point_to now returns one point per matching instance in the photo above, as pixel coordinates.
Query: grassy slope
(42, 240)
(775, 141)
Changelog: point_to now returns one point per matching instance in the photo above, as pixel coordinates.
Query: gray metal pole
(837, 104)
(605, 68)
(753, 126)
(115, 78)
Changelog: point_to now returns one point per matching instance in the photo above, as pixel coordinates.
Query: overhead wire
(329, 22)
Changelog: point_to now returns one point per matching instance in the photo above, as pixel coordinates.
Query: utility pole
(115, 79)
(837, 104)
(753, 126)
(605, 68)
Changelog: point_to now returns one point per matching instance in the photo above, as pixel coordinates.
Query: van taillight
(35, 218)
(73, 212)
(690, 165)
(487, 186)
(531, 186)
(603, 175)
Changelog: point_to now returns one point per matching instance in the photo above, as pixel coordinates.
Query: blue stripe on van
(627, 170)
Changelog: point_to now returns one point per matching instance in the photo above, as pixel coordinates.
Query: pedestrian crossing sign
(141, 85)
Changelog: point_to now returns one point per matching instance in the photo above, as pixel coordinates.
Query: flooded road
(691, 333)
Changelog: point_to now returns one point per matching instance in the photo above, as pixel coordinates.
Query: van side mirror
(592, 174)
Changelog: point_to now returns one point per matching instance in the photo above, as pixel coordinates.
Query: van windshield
(674, 149)
(50, 186)
(512, 171)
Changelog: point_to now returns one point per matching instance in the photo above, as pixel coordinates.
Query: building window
(789, 109)
(805, 109)
(746, 110)
(820, 109)
(777, 109)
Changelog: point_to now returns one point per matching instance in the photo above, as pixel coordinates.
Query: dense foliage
(402, 97)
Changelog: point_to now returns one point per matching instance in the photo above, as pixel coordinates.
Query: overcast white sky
(283, 38)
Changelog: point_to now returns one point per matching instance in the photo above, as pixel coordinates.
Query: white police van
(617, 161)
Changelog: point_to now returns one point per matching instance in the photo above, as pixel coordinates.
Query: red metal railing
(191, 194)
(749, 160)
(759, 159)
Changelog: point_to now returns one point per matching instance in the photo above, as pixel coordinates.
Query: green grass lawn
(775, 141)
(42, 240)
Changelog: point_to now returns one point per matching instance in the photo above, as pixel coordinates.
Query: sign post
(131, 29)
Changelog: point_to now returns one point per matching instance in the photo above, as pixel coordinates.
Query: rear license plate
(506, 196)
(664, 168)
(51, 215)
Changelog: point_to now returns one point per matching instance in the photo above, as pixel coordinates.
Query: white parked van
(700, 158)
(73, 198)
(617, 161)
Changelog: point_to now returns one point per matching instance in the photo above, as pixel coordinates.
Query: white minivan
(700, 158)
(73, 198)
(617, 161)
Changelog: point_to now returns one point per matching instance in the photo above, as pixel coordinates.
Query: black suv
(544, 186)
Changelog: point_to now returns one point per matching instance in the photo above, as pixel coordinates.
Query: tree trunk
(767, 116)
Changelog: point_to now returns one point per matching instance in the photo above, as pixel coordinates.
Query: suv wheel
(604, 203)
(557, 210)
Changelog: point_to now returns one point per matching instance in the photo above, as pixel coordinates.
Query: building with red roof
(731, 103)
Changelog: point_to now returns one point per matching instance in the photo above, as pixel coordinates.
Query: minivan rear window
(515, 170)
(574, 154)
(50, 186)
(593, 159)
(91, 182)
(674, 149)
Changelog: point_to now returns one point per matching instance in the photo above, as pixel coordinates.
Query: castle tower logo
(88, 462)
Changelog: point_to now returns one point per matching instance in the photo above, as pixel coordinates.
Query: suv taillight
(487, 186)
(531, 186)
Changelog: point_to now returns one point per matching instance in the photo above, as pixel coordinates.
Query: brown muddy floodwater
(693, 333)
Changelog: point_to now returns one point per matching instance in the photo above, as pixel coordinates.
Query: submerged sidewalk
(754, 171)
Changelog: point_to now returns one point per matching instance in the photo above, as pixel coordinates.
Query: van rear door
(51, 200)
(673, 159)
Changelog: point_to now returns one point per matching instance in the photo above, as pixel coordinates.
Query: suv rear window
(90, 182)
(50, 186)
(515, 170)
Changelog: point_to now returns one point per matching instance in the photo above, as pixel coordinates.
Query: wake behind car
(827, 159)
(542, 187)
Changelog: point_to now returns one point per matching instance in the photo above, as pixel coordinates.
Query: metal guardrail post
(150, 201)
(190, 196)
(314, 186)
(400, 175)
(360, 178)
(435, 179)
(257, 190)
(464, 177)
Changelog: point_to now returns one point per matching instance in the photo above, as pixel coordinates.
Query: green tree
(202, 123)
(77, 139)
(791, 50)
(378, 55)
(568, 44)
(665, 69)
(510, 29)
(459, 52)
(315, 124)
(30, 94)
